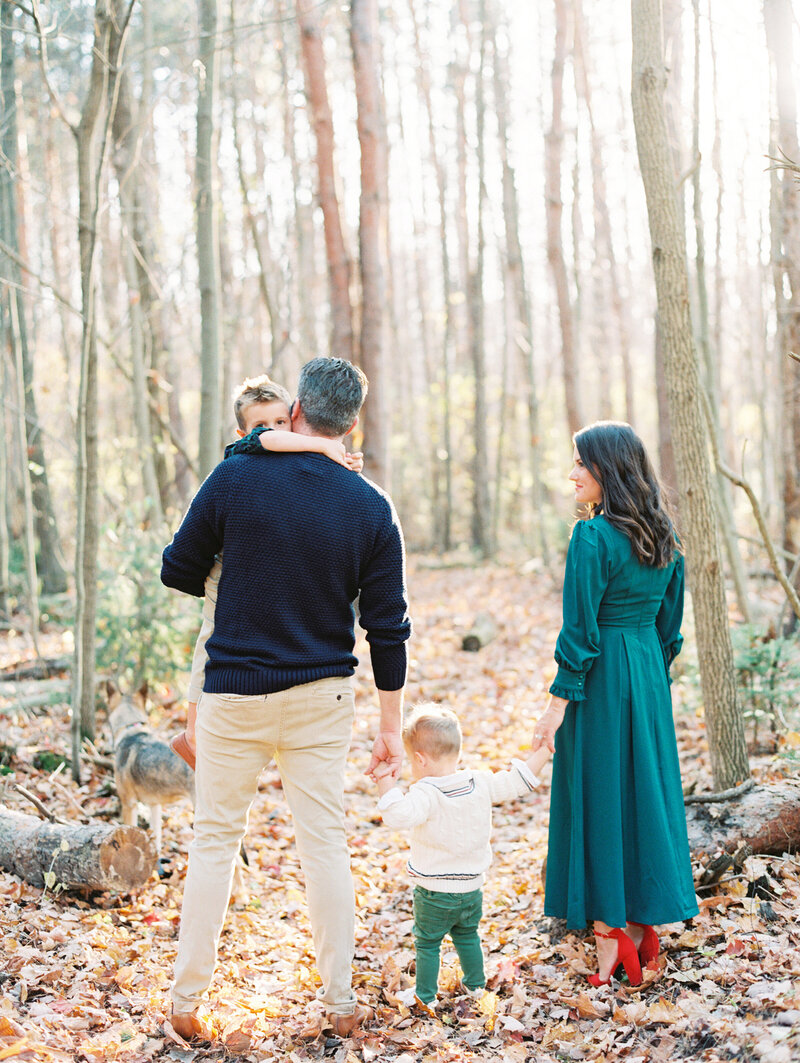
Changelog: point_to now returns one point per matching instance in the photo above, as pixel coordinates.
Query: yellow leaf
(14, 1050)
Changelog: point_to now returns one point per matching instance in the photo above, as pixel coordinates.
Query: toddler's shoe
(409, 999)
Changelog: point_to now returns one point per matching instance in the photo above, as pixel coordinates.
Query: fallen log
(766, 819)
(96, 856)
(42, 668)
(483, 630)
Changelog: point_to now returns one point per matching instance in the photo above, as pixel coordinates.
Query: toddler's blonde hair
(432, 730)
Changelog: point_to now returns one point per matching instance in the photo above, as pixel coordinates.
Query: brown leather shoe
(344, 1025)
(180, 745)
(189, 1026)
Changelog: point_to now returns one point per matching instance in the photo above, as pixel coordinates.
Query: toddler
(449, 813)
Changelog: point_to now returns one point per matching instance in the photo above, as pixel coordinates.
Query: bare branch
(791, 593)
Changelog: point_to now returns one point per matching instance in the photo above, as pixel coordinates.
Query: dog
(145, 768)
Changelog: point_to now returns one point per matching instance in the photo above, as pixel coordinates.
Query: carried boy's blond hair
(432, 730)
(258, 389)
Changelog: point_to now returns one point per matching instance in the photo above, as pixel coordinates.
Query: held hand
(548, 723)
(387, 756)
(354, 461)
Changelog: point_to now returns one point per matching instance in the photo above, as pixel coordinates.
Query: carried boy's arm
(294, 443)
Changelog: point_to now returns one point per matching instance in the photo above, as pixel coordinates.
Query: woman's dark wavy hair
(632, 498)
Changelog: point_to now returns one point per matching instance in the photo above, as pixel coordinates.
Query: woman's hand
(544, 732)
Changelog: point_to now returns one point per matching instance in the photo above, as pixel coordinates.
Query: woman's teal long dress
(617, 849)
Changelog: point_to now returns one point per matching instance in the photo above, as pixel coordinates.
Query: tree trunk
(608, 287)
(481, 503)
(90, 169)
(133, 215)
(50, 561)
(97, 856)
(342, 343)
(700, 534)
(363, 30)
(304, 270)
(523, 339)
(708, 358)
(554, 143)
(785, 219)
(207, 242)
(443, 516)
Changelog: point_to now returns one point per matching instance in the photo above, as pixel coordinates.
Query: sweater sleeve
(517, 781)
(401, 811)
(190, 556)
(249, 444)
(585, 580)
(383, 605)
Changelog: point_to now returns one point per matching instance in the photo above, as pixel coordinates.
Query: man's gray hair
(331, 392)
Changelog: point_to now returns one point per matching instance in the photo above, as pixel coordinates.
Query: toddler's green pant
(456, 914)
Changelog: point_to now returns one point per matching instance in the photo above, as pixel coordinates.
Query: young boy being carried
(264, 407)
(449, 812)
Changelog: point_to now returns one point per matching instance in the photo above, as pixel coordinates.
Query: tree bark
(481, 501)
(207, 242)
(97, 856)
(444, 511)
(90, 170)
(371, 139)
(700, 534)
(785, 220)
(136, 258)
(708, 357)
(342, 341)
(50, 559)
(554, 142)
(523, 339)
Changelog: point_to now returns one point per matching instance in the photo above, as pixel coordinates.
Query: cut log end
(482, 631)
(127, 858)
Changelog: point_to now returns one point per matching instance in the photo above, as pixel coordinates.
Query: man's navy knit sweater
(303, 537)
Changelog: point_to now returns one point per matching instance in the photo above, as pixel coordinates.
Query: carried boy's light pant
(307, 729)
(199, 657)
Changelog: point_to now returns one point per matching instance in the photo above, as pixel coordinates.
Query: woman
(618, 853)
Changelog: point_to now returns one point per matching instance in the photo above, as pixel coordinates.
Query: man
(303, 538)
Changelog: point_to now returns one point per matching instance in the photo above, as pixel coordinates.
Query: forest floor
(86, 979)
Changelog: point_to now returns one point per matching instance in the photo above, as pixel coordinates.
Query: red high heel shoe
(648, 947)
(626, 955)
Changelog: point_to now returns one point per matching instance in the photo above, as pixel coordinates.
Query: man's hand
(387, 756)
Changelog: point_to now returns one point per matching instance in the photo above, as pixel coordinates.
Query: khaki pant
(307, 729)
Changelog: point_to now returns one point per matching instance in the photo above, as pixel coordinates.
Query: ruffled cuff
(391, 797)
(568, 684)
